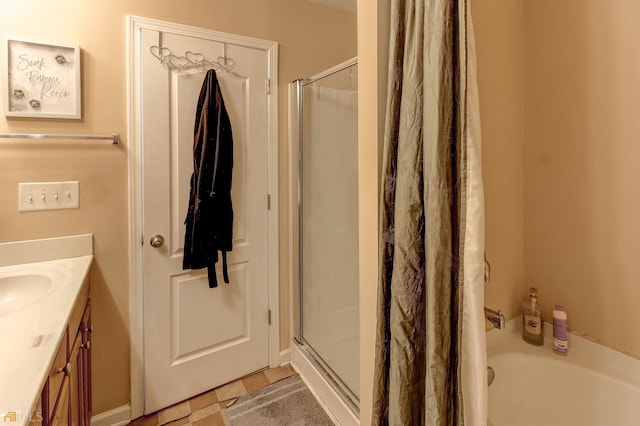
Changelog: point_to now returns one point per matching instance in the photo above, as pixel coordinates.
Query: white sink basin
(18, 291)
(22, 285)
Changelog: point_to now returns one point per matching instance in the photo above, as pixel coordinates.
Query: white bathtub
(591, 386)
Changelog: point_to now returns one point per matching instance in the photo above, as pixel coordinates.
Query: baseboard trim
(119, 416)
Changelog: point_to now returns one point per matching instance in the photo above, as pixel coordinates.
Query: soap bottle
(532, 324)
(560, 336)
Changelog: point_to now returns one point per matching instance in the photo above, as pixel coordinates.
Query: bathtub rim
(583, 352)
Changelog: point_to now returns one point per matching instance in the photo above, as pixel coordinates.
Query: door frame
(135, 25)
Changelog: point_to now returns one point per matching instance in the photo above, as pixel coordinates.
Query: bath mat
(287, 402)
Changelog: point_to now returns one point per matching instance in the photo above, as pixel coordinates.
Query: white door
(196, 337)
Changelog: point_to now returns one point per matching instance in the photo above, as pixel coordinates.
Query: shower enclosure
(326, 310)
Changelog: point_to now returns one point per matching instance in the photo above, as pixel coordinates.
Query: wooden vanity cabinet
(80, 359)
(66, 396)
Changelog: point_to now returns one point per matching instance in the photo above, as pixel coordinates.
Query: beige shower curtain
(430, 353)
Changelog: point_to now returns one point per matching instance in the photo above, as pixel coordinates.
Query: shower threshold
(350, 399)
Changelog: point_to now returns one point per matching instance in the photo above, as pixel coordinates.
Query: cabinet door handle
(66, 369)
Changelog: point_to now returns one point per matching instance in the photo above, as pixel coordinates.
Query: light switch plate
(48, 195)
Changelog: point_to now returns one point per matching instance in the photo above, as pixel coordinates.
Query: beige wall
(499, 43)
(582, 147)
(559, 102)
(307, 46)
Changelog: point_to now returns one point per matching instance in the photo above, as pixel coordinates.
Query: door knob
(157, 240)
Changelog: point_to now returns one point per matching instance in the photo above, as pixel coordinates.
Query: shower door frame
(348, 397)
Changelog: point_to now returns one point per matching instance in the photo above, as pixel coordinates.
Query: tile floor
(208, 409)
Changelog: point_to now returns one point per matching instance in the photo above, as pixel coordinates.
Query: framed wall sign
(41, 80)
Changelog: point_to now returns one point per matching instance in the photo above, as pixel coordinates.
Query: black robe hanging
(210, 216)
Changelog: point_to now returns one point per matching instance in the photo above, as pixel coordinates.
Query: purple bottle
(560, 332)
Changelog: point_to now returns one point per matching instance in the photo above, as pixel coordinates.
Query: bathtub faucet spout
(495, 317)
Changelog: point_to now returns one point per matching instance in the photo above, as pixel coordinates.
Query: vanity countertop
(30, 335)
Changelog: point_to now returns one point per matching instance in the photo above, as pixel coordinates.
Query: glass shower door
(329, 307)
